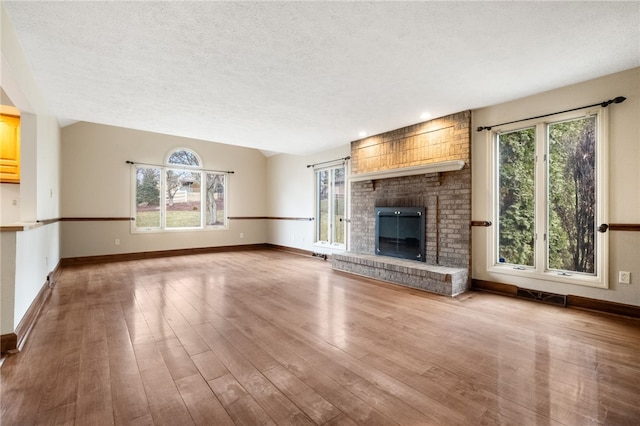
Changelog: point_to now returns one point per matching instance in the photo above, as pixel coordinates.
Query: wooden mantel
(441, 166)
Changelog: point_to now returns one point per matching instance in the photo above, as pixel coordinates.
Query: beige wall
(624, 179)
(96, 182)
(291, 189)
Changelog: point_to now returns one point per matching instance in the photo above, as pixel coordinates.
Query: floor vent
(542, 296)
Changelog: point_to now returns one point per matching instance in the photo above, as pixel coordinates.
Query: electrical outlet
(117, 241)
(624, 277)
(242, 235)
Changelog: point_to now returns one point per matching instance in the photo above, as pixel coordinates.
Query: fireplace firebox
(400, 232)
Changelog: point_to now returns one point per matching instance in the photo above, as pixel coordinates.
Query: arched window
(180, 195)
(184, 157)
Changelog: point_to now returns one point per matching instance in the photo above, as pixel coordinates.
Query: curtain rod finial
(617, 100)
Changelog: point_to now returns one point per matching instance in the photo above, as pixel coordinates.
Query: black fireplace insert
(400, 232)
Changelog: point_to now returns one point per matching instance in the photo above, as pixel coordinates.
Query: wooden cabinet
(9, 148)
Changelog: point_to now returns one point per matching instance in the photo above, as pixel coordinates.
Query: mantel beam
(441, 166)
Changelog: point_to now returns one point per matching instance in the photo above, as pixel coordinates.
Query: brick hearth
(436, 279)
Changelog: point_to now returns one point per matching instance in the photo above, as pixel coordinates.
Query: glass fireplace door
(400, 232)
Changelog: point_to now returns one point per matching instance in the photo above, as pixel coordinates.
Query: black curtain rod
(330, 161)
(617, 100)
(177, 166)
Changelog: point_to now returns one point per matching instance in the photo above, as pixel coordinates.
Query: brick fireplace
(427, 165)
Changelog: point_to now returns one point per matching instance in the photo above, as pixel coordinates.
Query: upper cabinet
(9, 148)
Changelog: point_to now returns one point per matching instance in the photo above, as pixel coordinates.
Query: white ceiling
(302, 77)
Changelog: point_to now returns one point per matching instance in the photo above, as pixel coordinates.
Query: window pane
(183, 199)
(215, 215)
(338, 206)
(147, 197)
(323, 205)
(572, 195)
(185, 157)
(516, 195)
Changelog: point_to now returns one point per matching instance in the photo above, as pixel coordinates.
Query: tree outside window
(173, 197)
(550, 198)
(330, 206)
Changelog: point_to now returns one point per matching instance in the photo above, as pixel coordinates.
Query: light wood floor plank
(127, 391)
(266, 337)
(94, 403)
(204, 407)
(279, 408)
(243, 409)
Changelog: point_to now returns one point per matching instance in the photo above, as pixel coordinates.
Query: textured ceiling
(302, 77)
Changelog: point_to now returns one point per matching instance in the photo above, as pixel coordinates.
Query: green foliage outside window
(516, 197)
(331, 205)
(177, 193)
(570, 181)
(572, 195)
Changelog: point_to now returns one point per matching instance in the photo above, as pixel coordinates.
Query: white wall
(28, 256)
(37, 254)
(9, 193)
(7, 278)
(96, 182)
(291, 193)
(48, 169)
(624, 179)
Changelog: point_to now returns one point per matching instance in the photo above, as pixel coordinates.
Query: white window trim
(163, 170)
(539, 271)
(326, 244)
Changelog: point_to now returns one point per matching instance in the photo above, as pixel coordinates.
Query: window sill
(339, 247)
(534, 274)
(174, 230)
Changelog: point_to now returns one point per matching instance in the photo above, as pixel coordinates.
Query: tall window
(550, 199)
(330, 202)
(179, 195)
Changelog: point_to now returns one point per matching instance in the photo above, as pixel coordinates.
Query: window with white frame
(331, 206)
(179, 195)
(550, 186)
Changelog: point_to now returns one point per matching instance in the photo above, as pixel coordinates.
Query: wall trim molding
(573, 301)
(86, 260)
(49, 221)
(290, 249)
(14, 342)
(96, 219)
(8, 343)
(269, 218)
(624, 227)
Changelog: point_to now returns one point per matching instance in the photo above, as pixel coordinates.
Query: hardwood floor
(266, 337)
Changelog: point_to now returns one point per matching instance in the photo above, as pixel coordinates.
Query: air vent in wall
(542, 296)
